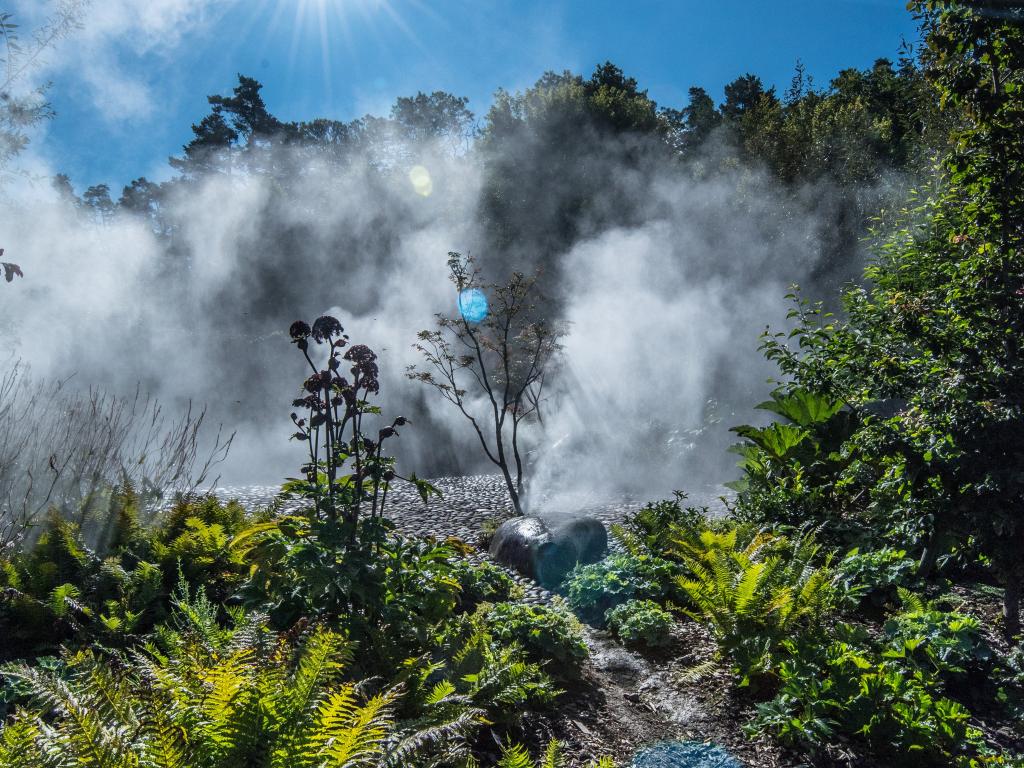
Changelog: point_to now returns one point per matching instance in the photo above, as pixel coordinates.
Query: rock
(586, 534)
(547, 551)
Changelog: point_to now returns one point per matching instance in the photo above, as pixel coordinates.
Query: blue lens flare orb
(472, 305)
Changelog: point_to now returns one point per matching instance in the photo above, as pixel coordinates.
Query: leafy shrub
(592, 590)
(658, 523)
(61, 589)
(873, 577)
(495, 675)
(800, 471)
(547, 634)
(949, 644)
(337, 557)
(755, 595)
(848, 688)
(483, 582)
(641, 622)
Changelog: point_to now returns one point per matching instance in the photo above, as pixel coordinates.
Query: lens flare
(473, 305)
(420, 179)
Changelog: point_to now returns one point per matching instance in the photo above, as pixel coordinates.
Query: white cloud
(118, 41)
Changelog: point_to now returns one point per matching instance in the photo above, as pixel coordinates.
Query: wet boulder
(546, 550)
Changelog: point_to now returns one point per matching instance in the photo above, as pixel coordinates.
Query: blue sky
(128, 86)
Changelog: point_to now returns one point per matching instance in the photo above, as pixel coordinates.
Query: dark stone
(547, 551)
(587, 535)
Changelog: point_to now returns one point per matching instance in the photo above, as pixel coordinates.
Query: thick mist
(664, 305)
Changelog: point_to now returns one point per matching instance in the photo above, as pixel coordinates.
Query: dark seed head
(325, 327)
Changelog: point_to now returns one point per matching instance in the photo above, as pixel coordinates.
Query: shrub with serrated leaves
(549, 635)
(482, 582)
(872, 577)
(592, 590)
(849, 688)
(641, 622)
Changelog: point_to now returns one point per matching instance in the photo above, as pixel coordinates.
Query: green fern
(752, 595)
(516, 756)
(220, 699)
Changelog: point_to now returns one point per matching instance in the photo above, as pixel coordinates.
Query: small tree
(499, 349)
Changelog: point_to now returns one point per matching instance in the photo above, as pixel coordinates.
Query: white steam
(664, 315)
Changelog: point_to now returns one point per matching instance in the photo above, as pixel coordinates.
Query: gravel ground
(468, 502)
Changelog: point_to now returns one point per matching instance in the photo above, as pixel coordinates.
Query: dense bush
(641, 622)
(497, 675)
(592, 590)
(947, 643)
(656, 525)
(879, 695)
(873, 577)
(217, 696)
(547, 634)
(337, 557)
(62, 590)
(483, 582)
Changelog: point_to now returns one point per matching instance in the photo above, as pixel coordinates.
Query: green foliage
(61, 589)
(338, 557)
(756, 594)
(792, 473)
(494, 673)
(641, 622)
(928, 358)
(873, 577)
(882, 697)
(549, 635)
(592, 590)
(385, 590)
(951, 644)
(229, 702)
(483, 582)
(516, 756)
(653, 527)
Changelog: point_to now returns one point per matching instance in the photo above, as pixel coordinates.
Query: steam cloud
(664, 316)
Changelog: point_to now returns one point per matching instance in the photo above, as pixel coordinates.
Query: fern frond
(347, 735)
(697, 672)
(515, 756)
(19, 743)
(553, 756)
(324, 654)
(84, 738)
(912, 603)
